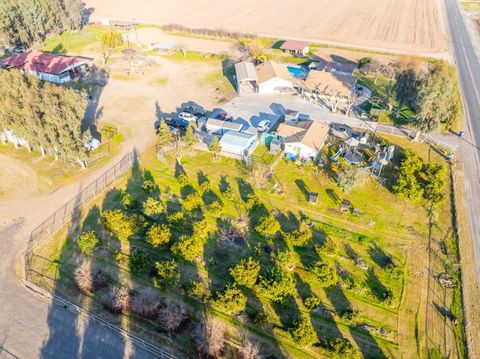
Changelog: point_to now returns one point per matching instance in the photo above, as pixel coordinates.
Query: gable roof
(270, 69)
(310, 133)
(335, 66)
(224, 124)
(294, 45)
(245, 71)
(333, 82)
(37, 61)
(239, 139)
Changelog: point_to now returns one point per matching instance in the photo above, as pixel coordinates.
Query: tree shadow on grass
(379, 256)
(378, 290)
(303, 188)
(367, 345)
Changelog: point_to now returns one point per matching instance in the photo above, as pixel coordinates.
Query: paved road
(469, 75)
(29, 326)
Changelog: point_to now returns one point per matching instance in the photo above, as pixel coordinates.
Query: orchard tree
(246, 272)
(231, 301)
(268, 226)
(158, 234)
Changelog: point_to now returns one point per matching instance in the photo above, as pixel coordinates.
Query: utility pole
(135, 28)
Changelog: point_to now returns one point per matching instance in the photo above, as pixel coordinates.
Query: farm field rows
(415, 26)
(377, 305)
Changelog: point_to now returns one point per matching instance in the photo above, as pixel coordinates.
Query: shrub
(324, 273)
(192, 202)
(139, 263)
(152, 207)
(117, 299)
(146, 303)
(249, 350)
(298, 238)
(122, 224)
(128, 201)
(167, 274)
(215, 207)
(187, 248)
(351, 317)
(172, 316)
(205, 186)
(302, 332)
(209, 337)
(252, 201)
(200, 229)
(88, 241)
(230, 301)
(177, 220)
(340, 348)
(183, 180)
(287, 259)
(268, 226)
(277, 285)
(200, 290)
(90, 277)
(246, 272)
(329, 247)
(312, 302)
(148, 186)
(158, 234)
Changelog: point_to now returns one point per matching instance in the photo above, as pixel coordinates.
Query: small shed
(238, 143)
(296, 47)
(313, 197)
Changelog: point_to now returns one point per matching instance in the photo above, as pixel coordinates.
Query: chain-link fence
(65, 213)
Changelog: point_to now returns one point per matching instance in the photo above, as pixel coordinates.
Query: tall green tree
(405, 87)
(408, 185)
(27, 21)
(215, 147)
(45, 116)
(438, 99)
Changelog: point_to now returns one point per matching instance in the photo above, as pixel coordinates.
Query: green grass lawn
(369, 258)
(380, 86)
(75, 42)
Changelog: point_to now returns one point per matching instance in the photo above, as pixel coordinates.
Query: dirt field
(405, 26)
(15, 177)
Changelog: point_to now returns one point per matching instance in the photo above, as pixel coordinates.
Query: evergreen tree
(27, 21)
(215, 147)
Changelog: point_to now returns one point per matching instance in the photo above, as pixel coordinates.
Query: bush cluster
(187, 247)
(324, 273)
(166, 274)
(158, 235)
(122, 224)
(268, 226)
(88, 241)
(302, 332)
(246, 272)
(231, 300)
(277, 285)
(139, 262)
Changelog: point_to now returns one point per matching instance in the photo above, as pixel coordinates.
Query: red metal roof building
(47, 66)
(296, 47)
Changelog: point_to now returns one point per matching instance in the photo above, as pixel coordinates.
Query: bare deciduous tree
(172, 316)
(209, 337)
(146, 303)
(90, 277)
(249, 349)
(117, 299)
